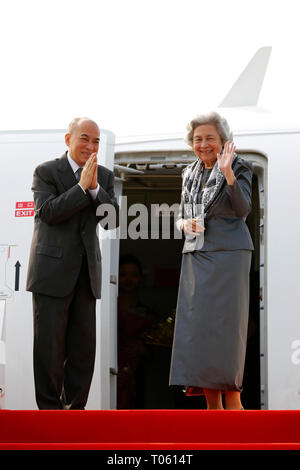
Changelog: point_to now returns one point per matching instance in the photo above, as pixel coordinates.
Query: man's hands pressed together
(88, 179)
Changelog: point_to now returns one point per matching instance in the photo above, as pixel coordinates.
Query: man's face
(83, 141)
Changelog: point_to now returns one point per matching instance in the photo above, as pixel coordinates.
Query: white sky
(139, 67)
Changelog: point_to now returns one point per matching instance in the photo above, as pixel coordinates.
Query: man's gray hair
(75, 123)
(211, 118)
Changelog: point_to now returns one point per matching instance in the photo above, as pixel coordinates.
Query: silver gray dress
(210, 333)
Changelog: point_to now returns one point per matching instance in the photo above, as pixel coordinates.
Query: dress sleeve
(240, 191)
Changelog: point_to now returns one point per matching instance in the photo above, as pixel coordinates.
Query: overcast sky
(139, 67)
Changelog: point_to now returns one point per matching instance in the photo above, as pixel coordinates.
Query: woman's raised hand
(225, 161)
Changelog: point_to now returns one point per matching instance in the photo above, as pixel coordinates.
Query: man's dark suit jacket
(65, 228)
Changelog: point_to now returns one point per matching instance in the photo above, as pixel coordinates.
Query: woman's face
(207, 144)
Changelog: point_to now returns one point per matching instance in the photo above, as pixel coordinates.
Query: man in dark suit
(64, 272)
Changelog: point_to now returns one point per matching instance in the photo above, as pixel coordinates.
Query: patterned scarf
(191, 183)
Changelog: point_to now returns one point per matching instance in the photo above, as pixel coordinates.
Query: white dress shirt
(74, 166)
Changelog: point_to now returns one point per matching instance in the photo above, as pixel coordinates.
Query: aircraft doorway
(144, 385)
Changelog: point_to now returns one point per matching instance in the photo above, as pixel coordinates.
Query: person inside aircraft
(134, 320)
(210, 334)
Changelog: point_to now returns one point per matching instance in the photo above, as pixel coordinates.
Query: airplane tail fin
(246, 90)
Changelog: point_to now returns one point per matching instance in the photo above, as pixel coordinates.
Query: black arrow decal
(17, 276)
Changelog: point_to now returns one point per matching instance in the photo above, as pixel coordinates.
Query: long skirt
(210, 335)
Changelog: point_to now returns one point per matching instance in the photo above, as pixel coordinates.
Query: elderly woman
(213, 299)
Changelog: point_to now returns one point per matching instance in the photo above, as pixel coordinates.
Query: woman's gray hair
(211, 118)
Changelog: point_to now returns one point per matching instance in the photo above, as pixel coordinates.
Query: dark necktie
(78, 173)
